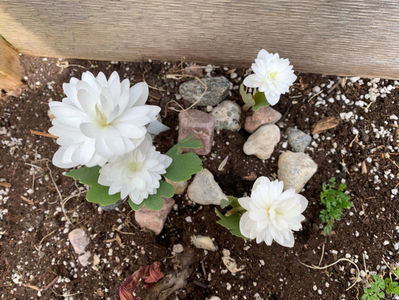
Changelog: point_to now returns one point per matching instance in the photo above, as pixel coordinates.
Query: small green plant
(376, 289)
(381, 286)
(335, 201)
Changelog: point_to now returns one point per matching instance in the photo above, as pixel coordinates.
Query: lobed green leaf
(232, 223)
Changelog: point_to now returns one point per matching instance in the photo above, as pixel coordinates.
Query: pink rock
(79, 240)
(201, 125)
(264, 115)
(152, 219)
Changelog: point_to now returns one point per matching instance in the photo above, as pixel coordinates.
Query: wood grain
(343, 37)
(10, 69)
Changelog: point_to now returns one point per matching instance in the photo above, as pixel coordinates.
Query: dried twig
(5, 184)
(357, 278)
(45, 134)
(27, 200)
(46, 236)
(33, 287)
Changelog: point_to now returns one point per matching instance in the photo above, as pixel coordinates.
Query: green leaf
(134, 206)
(154, 202)
(232, 201)
(246, 97)
(85, 175)
(189, 142)
(232, 223)
(224, 203)
(260, 100)
(97, 193)
(184, 165)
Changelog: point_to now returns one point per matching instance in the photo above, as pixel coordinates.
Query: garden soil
(37, 260)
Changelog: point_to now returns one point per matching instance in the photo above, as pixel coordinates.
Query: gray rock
(262, 142)
(227, 116)
(217, 90)
(295, 169)
(205, 190)
(113, 206)
(298, 140)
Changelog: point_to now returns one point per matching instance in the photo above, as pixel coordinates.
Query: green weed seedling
(380, 287)
(335, 201)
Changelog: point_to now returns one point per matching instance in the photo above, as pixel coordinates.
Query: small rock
(96, 260)
(263, 116)
(214, 298)
(84, 258)
(179, 186)
(205, 190)
(201, 125)
(262, 142)
(203, 242)
(298, 140)
(113, 206)
(227, 116)
(217, 90)
(230, 263)
(154, 220)
(178, 248)
(325, 124)
(79, 240)
(295, 169)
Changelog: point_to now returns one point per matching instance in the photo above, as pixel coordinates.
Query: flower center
(273, 75)
(100, 117)
(134, 167)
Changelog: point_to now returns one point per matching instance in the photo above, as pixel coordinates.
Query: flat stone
(227, 116)
(201, 125)
(262, 142)
(84, 258)
(205, 190)
(298, 140)
(154, 220)
(295, 169)
(79, 240)
(179, 186)
(263, 116)
(217, 90)
(203, 242)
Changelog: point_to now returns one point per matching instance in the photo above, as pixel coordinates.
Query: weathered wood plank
(10, 68)
(354, 37)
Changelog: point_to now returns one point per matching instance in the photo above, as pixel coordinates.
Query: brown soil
(35, 250)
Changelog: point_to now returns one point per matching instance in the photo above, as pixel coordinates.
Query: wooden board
(351, 37)
(10, 69)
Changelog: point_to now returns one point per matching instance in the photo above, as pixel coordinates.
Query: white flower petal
(156, 127)
(62, 157)
(138, 94)
(271, 213)
(107, 114)
(251, 81)
(130, 173)
(244, 202)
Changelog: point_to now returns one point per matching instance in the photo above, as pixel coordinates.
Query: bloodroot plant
(106, 126)
(272, 77)
(268, 214)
